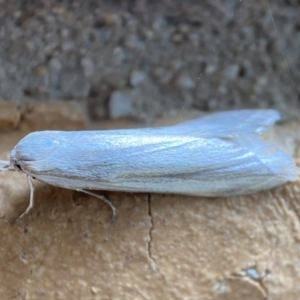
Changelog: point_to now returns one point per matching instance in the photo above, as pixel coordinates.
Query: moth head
(32, 152)
(14, 164)
(11, 165)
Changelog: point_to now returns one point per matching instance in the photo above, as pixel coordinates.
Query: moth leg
(101, 197)
(31, 201)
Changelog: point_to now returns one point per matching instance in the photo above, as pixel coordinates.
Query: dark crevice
(151, 228)
(150, 233)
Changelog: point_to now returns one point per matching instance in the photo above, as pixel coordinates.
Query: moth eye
(18, 167)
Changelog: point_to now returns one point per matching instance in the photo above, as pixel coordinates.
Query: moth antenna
(5, 166)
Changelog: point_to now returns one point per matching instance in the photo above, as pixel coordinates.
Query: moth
(222, 154)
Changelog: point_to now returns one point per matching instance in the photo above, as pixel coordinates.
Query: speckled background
(145, 58)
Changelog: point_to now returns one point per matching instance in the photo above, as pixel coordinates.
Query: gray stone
(184, 81)
(231, 72)
(120, 104)
(137, 77)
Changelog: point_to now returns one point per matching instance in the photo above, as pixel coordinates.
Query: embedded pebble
(120, 104)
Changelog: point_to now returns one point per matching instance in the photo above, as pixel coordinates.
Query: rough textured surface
(9, 115)
(160, 247)
(161, 56)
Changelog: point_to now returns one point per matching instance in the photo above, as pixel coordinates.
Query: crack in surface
(150, 232)
(151, 228)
